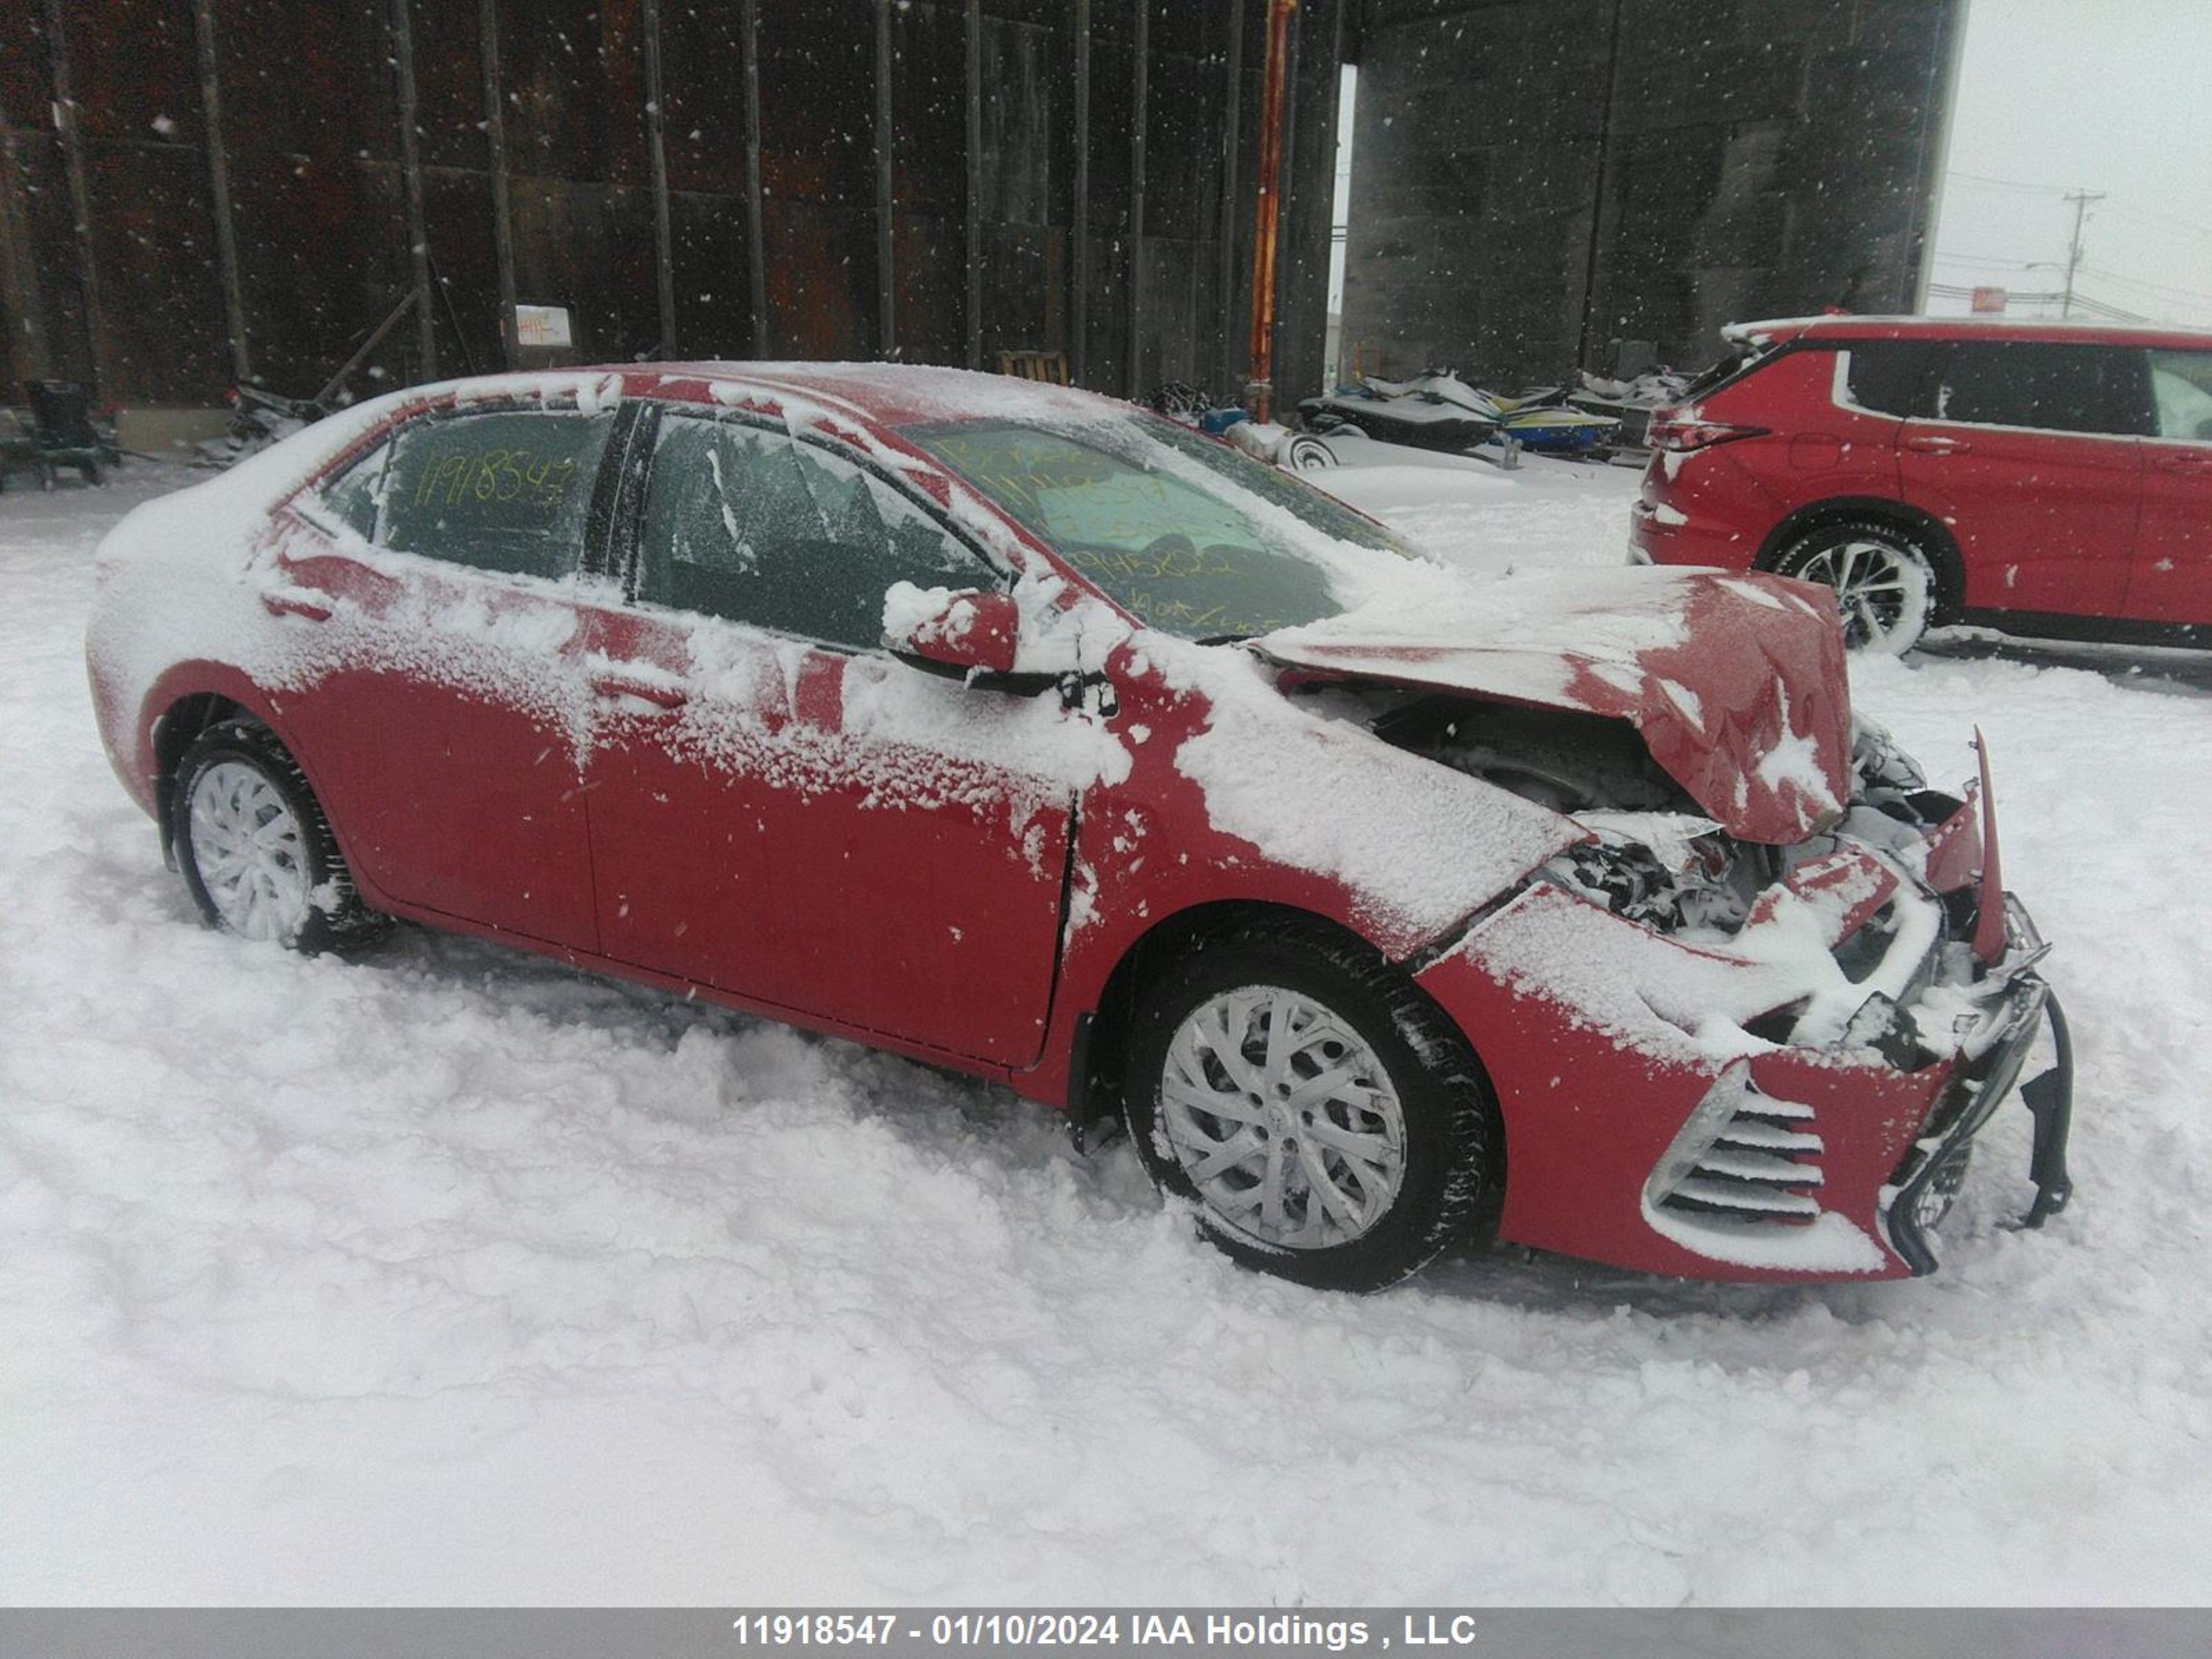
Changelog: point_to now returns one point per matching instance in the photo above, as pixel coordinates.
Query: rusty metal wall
(1538, 178)
(996, 155)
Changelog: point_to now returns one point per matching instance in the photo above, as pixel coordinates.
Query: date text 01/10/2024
(1029, 1628)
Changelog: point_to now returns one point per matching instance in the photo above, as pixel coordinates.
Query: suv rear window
(1894, 377)
(1741, 360)
(2050, 387)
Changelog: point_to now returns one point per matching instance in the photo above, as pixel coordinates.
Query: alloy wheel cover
(1283, 1118)
(1882, 592)
(249, 851)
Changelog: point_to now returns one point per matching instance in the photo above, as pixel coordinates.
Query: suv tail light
(1674, 429)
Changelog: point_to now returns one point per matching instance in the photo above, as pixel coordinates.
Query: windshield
(1185, 533)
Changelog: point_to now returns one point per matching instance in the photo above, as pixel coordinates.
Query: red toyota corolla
(1021, 732)
(2044, 478)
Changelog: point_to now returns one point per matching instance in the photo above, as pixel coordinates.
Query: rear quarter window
(354, 497)
(1892, 377)
(505, 490)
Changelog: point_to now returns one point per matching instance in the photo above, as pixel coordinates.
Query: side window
(1892, 377)
(2181, 387)
(2054, 388)
(352, 498)
(507, 491)
(754, 527)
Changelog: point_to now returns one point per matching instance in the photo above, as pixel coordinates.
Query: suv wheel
(1884, 580)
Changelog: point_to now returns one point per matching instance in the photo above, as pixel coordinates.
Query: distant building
(194, 193)
(1537, 178)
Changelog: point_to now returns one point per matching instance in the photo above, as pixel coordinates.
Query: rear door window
(2181, 389)
(2097, 389)
(752, 526)
(507, 491)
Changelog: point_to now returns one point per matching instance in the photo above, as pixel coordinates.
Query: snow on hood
(1736, 683)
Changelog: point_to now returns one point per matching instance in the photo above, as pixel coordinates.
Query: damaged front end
(1749, 1023)
(1733, 1058)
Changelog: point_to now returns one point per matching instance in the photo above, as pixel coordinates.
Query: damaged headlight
(1668, 872)
(1880, 765)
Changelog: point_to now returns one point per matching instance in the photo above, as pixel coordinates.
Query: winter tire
(256, 852)
(1884, 581)
(1322, 1118)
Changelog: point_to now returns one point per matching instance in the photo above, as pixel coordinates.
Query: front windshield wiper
(1227, 639)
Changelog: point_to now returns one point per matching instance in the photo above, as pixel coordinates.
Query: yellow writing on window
(493, 475)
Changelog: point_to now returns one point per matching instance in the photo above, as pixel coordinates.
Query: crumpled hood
(1736, 683)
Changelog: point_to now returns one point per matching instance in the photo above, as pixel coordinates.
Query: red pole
(1260, 388)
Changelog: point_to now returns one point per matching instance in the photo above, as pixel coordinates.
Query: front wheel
(1884, 582)
(256, 852)
(1321, 1116)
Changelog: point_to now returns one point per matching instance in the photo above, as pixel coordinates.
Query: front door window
(752, 526)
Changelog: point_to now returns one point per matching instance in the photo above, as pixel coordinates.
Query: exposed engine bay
(1868, 924)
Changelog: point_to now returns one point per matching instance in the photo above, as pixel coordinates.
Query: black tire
(334, 919)
(1817, 554)
(1453, 1159)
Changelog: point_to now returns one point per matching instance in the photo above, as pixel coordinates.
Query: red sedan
(1018, 731)
(2044, 478)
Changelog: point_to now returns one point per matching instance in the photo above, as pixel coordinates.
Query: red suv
(2043, 478)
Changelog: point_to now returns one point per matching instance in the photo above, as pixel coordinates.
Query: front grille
(1761, 1166)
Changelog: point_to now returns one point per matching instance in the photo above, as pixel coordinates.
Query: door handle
(1935, 443)
(659, 694)
(308, 602)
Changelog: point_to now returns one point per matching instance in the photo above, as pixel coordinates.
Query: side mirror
(970, 633)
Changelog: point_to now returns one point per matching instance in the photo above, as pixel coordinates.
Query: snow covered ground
(451, 1276)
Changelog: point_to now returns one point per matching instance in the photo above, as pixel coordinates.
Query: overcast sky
(2113, 95)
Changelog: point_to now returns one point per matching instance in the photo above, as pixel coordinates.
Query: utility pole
(2081, 198)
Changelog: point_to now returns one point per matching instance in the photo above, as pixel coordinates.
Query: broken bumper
(1634, 1138)
(1991, 1060)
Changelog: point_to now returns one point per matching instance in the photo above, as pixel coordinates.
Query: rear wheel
(1884, 581)
(256, 854)
(1321, 1116)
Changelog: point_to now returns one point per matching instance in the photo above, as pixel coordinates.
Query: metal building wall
(1537, 178)
(1025, 139)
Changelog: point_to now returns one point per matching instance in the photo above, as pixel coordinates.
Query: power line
(2006, 184)
(2112, 313)
(2148, 288)
(2117, 205)
(2015, 297)
(1990, 259)
(2171, 222)
(1964, 291)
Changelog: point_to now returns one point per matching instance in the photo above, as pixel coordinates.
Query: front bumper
(1817, 1163)
(1992, 1057)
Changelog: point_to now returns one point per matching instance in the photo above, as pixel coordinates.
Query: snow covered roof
(1779, 330)
(896, 394)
